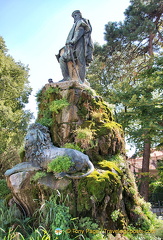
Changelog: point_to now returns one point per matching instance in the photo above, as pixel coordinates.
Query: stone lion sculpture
(39, 151)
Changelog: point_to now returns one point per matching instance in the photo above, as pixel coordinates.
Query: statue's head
(36, 134)
(76, 15)
(36, 141)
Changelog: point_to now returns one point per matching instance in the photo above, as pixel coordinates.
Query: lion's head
(36, 141)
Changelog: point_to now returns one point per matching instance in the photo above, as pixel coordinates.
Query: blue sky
(34, 31)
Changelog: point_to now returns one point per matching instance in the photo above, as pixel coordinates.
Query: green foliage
(7, 217)
(156, 186)
(8, 159)
(14, 95)
(41, 95)
(47, 105)
(4, 189)
(46, 119)
(84, 137)
(51, 90)
(141, 236)
(111, 165)
(117, 158)
(72, 146)
(84, 133)
(57, 105)
(146, 219)
(50, 216)
(91, 91)
(98, 182)
(86, 223)
(37, 176)
(98, 236)
(53, 215)
(159, 230)
(127, 71)
(22, 153)
(115, 215)
(60, 164)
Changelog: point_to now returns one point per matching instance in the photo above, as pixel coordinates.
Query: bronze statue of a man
(78, 50)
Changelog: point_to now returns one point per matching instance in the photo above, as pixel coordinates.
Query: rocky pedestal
(76, 107)
(78, 118)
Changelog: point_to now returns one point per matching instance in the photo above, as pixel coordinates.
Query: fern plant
(57, 105)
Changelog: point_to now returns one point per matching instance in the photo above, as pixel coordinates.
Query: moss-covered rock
(77, 117)
(79, 110)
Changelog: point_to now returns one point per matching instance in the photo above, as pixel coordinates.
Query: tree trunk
(150, 49)
(144, 187)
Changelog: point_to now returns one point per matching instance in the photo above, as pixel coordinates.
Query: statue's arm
(78, 34)
(80, 30)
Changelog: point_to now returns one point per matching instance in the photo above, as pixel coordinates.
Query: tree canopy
(14, 93)
(127, 71)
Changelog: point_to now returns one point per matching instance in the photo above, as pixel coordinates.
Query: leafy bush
(7, 217)
(52, 215)
(60, 164)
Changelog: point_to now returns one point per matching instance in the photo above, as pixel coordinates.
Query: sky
(35, 30)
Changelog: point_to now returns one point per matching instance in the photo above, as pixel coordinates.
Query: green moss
(37, 176)
(97, 116)
(100, 182)
(88, 124)
(83, 201)
(84, 133)
(96, 186)
(111, 165)
(110, 127)
(116, 158)
(85, 138)
(60, 164)
(91, 91)
(73, 146)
